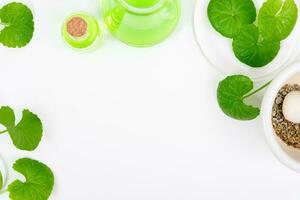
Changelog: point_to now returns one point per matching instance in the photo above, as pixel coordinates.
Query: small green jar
(141, 23)
(81, 33)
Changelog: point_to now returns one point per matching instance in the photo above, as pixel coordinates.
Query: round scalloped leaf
(228, 16)
(230, 94)
(251, 49)
(27, 134)
(18, 24)
(276, 19)
(39, 181)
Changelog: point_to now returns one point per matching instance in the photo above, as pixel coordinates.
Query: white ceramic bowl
(289, 156)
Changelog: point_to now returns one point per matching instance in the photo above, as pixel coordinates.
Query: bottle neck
(141, 8)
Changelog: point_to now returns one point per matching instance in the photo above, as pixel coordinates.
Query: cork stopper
(77, 27)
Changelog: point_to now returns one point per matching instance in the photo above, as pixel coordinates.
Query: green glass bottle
(141, 23)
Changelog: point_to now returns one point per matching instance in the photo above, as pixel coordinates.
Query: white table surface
(124, 123)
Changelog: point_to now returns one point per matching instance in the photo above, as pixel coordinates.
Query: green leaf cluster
(256, 41)
(26, 135)
(231, 94)
(18, 25)
(16, 30)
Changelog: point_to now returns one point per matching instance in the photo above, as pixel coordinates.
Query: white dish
(218, 49)
(289, 156)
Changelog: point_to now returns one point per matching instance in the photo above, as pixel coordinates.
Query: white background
(124, 123)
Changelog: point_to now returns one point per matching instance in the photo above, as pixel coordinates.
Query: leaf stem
(257, 90)
(4, 131)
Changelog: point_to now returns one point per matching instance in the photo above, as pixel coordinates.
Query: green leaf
(39, 181)
(231, 93)
(18, 24)
(27, 134)
(228, 16)
(250, 48)
(1, 181)
(7, 117)
(276, 19)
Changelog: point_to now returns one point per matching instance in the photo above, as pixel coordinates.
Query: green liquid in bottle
(142, 3)
(141, 23)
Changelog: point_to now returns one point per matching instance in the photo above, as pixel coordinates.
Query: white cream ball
(291, 107)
